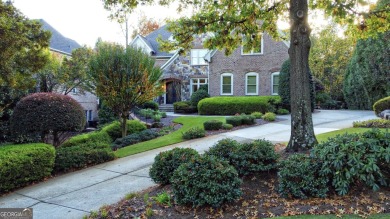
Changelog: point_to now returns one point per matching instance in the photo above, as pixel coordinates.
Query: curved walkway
(74, 195)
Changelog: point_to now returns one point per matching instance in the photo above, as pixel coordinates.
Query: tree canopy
(124, 78)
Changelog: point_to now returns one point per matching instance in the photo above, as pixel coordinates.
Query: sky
(85, 20)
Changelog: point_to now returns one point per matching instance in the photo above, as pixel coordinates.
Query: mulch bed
(260, 200)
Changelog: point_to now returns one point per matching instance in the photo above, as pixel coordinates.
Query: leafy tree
(124, 78)
(329, 57)
(74, 71)
(145, 26)
(48, 77)
(232, 21)
(22, 46)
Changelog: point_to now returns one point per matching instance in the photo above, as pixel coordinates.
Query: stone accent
(274, 54)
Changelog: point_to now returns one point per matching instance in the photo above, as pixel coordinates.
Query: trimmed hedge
(184, 107)
(24, 164)
(194, 132)
(97, 136)
(234, 120)
(234, 105)
(212, 125)
(168, 161)
(114, 128)
(150, 105)
(134, 138)
(205, 180)
(372, 123)
(380, 105)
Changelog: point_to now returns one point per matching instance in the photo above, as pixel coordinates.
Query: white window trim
(198, 83)
(223, 75)
(257, 83)
(254, 53)
(205, 62)
(272, 83)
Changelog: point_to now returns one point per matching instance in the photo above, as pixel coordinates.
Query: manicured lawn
(172, 138)
(325, 136)
(376, 216)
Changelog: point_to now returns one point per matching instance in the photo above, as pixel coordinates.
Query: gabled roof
(151, 39)
(57, 41)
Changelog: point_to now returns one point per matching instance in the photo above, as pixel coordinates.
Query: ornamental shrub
(269, 117)
(193, 133)
(254, 157)
(184, 107)
(257, 115)
(372, 123)
(134, 138)
(299, 177)
(165, 163)
(227, 126)
(212, 125)
(247, 119)
(234, 105)
(44, 113)
(380, 105)
(224, 149)
(205, 180)
(96, 136)
(24, 164)
(282, 112)
(147, 113)
(234, 120)
(114, 128)
(351, 158)
(157, 118)
(198, 96)
(150, 105)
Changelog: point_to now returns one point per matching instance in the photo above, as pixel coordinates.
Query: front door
(172, 92)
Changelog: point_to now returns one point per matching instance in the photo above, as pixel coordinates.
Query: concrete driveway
(76, 194)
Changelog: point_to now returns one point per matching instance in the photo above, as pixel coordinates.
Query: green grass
(172, 138)
(376, 216)
(325, 136)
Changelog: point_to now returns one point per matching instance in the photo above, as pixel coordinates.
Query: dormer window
(197, 56)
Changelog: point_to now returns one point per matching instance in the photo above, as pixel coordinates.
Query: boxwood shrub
(224, 149)
(168, 161)
(150, 105)
(184, 107)
(299, 177)
(247, 119)
(134, 138)
(193, 133)
(205, 180)
(114, 128)
(257, 115)
(212, 125)
(269, 117)
(234, 105)
(234, 120)
(381, 105)
(23, 164)
(227, 126)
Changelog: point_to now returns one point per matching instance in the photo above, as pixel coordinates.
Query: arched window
(275, 83)
(227, 84)
(252, 83)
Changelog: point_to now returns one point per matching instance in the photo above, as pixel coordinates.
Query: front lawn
(172, 138)
(323, 137)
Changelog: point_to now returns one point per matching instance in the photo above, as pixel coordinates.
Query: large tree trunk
(302, 131)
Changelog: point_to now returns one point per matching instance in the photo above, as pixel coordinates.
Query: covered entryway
(172, 91)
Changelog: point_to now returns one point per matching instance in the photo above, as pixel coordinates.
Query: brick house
(62, 47)
(240, 74)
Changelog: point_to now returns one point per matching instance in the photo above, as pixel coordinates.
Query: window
(88, 115)
(246, 50)
(251, 83)
(275, 83)
(197, 82)
(227, 84)
(197, 56)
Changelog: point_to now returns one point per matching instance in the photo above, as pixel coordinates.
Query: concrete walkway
(75, 194)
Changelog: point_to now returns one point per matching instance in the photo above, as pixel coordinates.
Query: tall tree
(124, 78)
(329, 57)
(231, 21)
(48, 77)
(145, 26)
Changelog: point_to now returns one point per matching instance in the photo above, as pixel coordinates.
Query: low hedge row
(23, 164)
(234, 105)
(134, 138)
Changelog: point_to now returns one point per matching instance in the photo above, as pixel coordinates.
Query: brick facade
(274, 54)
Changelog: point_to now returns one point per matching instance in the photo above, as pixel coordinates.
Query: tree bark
(124, 125)
(302, 131)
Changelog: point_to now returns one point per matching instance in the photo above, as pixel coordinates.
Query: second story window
(197, 56)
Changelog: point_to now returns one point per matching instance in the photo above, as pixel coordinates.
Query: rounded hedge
(42, 113)
(234, 120)
(380, 105)
(198, 96)
(212, 125)
(205, 180)
(234, 105)
(23, 164)
(150, 105)
(194, 132)
(168, 161)
(269, 117)
(223, 149)
(114, 128)
(183, 107)
(299, 177)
